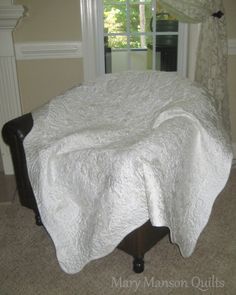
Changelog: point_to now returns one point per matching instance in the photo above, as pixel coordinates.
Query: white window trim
(93, 50)
(193, 39)
(92, 38)
(182, 49)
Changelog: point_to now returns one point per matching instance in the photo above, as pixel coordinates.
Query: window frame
(93, 41)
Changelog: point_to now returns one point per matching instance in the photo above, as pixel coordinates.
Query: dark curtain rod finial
(218, 14)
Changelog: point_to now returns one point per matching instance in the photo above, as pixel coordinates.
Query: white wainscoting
(9, 93)
(48, 50)
(67, 49)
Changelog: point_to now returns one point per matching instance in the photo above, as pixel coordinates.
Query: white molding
(232, 46)
(9, 15)
(48, 50)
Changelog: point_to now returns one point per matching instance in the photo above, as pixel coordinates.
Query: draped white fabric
(104, 158)
(211, 65)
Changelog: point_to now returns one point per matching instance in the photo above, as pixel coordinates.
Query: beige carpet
(7, 188)
(28, 265)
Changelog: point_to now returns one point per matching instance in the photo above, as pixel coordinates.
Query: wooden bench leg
(138, 264)
(38, 220)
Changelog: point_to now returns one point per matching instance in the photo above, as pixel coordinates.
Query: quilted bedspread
(105, 157)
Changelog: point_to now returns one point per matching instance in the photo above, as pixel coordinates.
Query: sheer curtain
(211, 64)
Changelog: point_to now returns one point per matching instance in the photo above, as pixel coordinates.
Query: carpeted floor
(28, 265)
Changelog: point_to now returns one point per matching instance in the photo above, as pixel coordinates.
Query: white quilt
(104, 158)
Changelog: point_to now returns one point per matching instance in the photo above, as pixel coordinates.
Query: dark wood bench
(137, 243)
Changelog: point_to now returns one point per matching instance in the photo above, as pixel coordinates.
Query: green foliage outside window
(115, 21)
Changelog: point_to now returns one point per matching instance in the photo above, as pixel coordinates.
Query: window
(133, 35)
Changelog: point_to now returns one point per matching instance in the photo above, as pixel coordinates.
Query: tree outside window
(134, 17)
